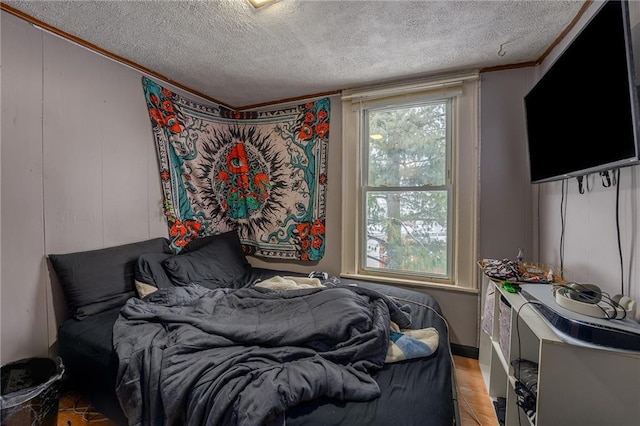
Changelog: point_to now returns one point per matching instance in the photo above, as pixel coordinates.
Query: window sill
(410, 283)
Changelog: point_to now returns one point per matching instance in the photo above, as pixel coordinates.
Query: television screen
(581, 116)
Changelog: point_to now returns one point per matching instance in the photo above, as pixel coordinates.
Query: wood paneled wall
(79, 172)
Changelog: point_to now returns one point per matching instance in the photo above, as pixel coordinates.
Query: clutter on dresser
(518, 270)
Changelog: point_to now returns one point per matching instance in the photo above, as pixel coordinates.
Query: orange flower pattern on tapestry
(263, 174)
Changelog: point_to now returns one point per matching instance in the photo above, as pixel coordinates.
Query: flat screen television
(582, 115)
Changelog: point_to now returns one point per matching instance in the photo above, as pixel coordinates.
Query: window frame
(463, 175)
(366, 188)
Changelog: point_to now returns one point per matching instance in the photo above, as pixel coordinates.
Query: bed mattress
(417, 391)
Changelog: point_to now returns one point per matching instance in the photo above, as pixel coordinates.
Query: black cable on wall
(617, 174)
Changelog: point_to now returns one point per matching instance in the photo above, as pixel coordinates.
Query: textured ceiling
(240, 56)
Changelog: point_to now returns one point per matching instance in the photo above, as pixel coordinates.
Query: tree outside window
(407, 189)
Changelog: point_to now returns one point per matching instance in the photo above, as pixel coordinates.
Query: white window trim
(464, 152)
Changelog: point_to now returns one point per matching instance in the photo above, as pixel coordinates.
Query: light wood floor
(474, 403)
(473, 400)
(76, 410)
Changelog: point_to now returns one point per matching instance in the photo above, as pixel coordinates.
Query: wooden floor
(474, 403)
(473, 400)
(75, 410)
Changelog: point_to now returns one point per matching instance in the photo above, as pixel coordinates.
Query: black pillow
(220, 262)
(149, 275)
(98, 280)
(198, 243)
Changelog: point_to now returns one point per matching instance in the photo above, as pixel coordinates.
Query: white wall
(591, 245)
(505, 189)
(79, 172)
(23, 296)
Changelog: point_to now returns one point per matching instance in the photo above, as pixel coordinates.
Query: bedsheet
(412, 392)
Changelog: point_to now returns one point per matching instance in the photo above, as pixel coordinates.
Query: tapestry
(262, 173)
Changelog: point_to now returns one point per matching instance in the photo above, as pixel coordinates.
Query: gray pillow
(198, 243)
(149, 275)
(220, 262)
(97, 280)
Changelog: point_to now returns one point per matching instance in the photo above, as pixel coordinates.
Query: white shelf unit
(577, 385)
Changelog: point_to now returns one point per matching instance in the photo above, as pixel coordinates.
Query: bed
(200, 338)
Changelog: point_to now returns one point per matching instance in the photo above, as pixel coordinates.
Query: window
(409, 182)
(407, 189)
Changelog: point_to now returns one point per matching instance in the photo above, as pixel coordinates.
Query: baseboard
(465, 351)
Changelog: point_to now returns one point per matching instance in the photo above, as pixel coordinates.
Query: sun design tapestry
(262, 173)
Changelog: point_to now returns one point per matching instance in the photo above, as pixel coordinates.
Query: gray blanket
(190, 355)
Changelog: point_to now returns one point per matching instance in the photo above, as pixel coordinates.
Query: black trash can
(30, 392)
